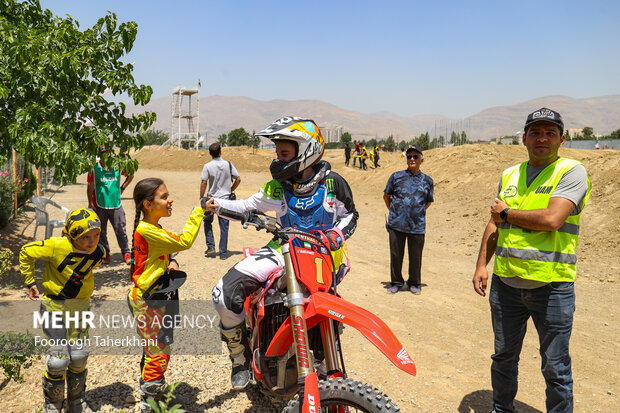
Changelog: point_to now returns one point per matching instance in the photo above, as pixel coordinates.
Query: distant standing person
(534, 232)
(363, 156)
(347, 154)
(104, 191)
(358, 152)
(222, 178)
(407, 195)
(376, 156)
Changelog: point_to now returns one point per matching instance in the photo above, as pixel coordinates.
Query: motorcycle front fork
(295, 300)
(330, 347)
(300, 331)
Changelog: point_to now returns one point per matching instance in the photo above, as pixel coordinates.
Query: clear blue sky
(452, 57)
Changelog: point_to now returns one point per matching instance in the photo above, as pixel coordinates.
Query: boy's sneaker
(415, 290)
(127, 258)
(393, 289)
(210, 253)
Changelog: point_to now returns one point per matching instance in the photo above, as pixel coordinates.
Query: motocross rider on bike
(305, 194)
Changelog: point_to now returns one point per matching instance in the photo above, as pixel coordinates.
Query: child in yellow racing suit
(68, 283)
(151, 270)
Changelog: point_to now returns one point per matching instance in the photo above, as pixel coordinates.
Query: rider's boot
(53, 395)
(237, 342)
(76, 387)
(151, 390)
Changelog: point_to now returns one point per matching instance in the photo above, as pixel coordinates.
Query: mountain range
(221, 114)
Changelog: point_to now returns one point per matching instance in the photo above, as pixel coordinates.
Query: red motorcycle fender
(312, 400)
(322, 305)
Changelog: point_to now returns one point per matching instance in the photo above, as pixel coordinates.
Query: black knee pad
(237, 287)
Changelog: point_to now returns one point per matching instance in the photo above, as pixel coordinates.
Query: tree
(345, 138)
(588, 132)
(238, 137)
(222, 139)
(615, 134)
(390, 145)
(422, 141)
(464, 140)
(52, 80)
(455, 138)
(155, 137)
(254, 141)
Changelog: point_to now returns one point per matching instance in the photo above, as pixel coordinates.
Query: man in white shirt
(222, 178)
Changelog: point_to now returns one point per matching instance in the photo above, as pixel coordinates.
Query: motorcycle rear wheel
(355, 395)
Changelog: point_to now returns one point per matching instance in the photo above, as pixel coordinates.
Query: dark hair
(215, 150)
(143, 191)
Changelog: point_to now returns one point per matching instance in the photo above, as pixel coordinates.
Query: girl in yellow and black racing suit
(151, 264)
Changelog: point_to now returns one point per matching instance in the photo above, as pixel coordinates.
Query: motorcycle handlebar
(261, 221)
(239, 216)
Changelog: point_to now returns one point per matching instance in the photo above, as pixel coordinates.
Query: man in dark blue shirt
(407, 195)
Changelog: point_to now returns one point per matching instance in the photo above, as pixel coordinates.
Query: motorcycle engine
(280, 373)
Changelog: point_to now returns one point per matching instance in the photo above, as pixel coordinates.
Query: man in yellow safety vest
(533, 232)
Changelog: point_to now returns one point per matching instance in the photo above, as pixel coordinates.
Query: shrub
(162, 405)
(8, 188)
(6, 255)
(17, 351)
(28, 186)
(155, 137)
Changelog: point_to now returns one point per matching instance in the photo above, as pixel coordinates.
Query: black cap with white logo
(546, 115)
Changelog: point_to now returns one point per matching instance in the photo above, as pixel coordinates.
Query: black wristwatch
(504, 214)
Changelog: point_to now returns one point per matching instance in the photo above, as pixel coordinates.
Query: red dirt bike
(294, 326)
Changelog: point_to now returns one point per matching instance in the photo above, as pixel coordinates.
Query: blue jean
(551, 308)
(208, 228)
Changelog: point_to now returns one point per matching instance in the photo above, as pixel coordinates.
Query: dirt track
(447, 329)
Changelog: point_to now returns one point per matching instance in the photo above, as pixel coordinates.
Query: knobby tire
(350, 393)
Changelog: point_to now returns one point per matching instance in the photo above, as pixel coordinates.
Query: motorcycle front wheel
(348, 395)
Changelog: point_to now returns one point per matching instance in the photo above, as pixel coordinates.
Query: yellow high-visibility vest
(545, 256)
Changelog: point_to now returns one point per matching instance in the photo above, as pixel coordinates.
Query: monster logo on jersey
(331, 196)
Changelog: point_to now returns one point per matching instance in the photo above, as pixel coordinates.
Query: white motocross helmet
(310, 145)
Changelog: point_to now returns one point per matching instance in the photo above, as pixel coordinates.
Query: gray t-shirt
(218, 173)
(574, 187)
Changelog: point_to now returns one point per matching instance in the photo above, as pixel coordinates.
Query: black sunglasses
(413, 156)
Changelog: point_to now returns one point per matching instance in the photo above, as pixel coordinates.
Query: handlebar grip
(227, 213)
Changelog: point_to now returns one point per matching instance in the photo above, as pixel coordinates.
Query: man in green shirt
(104, 196)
